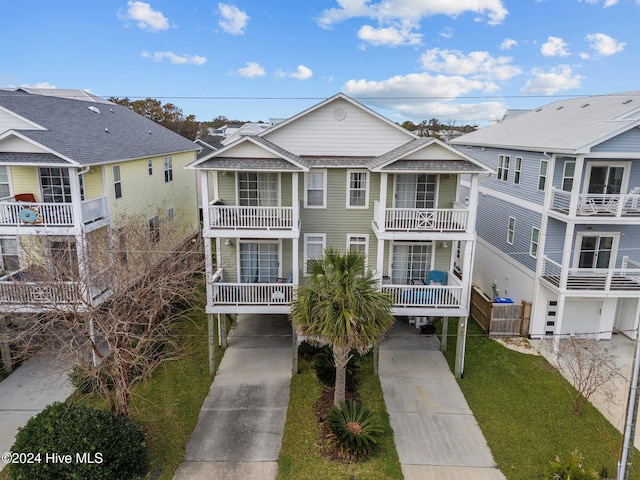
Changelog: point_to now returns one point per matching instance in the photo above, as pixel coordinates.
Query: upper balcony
(18, 216)
(594, 206)
(593, 281)
(397, 223)
(255, 222)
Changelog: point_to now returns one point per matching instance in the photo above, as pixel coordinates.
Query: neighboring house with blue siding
(559, 222)
(337, 175)
(74, 170)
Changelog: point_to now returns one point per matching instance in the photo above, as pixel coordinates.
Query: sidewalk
(239, 431)
(436, 435)
(37, 383)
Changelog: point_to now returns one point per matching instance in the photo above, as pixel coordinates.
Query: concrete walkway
(241, 424)
(37, 383)
(436, 435)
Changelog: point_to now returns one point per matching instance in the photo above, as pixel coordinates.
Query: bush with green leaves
(357, 431)
(570, 467)
(325, 369)
(72, 441)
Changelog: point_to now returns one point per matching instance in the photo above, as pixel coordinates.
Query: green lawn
(525, 413)
(300, 458)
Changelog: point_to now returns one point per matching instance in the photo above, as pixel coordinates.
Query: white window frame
(7, 173)
(577, 248)
(350, 243)
(267, 241)
(324, 189)
(117, 181)
(542, 177)
(564, 174)
(171, 214)
(168, 169)
(241, 195)
(150, 167)
(511, 230)
(626, 166)
(306, 243)
(4, 254)
(533, 245)
(503, 167)
(517, 171)
(366, 189)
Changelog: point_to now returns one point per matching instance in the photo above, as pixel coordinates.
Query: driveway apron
(435, 432)
(241, 424)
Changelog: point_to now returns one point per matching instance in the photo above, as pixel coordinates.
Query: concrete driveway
(37, 383)
(435, 433)
(240, 427)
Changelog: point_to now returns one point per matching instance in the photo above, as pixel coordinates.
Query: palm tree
(341, 305)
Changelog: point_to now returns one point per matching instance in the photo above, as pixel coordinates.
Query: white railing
(420, 219)
(597, 204)
(39, 293)
(600, 279)
(14, 213)
(443, 296)
(252, 293)
(234, 217)
(94, 209)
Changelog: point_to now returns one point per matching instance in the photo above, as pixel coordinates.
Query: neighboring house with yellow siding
(73, 168)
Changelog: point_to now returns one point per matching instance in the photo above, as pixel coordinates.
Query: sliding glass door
(258, 262)
(411, 261)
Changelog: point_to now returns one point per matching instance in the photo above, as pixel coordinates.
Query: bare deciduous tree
(108, 300)
(587, 365)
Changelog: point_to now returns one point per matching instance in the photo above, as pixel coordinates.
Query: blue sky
(461, 61)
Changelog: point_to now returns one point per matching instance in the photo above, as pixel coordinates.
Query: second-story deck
(259, 222)
(607, 206)
(593, 281)
(29, 215)
(396, 222)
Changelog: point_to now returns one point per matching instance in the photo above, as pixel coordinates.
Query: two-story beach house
(559, 223)
(72, 165)
(338, 175)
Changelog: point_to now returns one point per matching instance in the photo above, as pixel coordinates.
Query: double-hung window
(542, 175)
(503, 167)
(5, 188)
(9, 260)
(168, 169)
(150, 167)
(567, 175)
(517, 170)
(533, 248)
(314, 245)
(117, 181)
(315, 189)
(358, 243)
(357, 189)
(511, 230)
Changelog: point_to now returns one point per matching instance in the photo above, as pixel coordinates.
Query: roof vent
(94, 109)
(106, 129)
(585, 105)
(560, 107)
(538, 110)
(627, 101)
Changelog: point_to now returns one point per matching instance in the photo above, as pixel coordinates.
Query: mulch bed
(321, 410)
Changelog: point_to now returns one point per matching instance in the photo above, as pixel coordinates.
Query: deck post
(376, 358)
(222, 332)
(294, 341)
(212, 344)
(5, 351)
(445, 334)
(460, 347)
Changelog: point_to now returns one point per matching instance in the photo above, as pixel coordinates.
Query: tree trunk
(340, 358)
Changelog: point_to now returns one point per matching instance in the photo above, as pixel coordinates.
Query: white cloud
(144, 16)
(421, 96)
(478, 64)
(554, 47)
(390, 36)
(234, 20)
(252, 69)
(604, 45)
(508, 43)
(411, 9)
(553, 81)
(43, 85)
(303, 73)
(447, 32)
(607, 3)
(175, 59)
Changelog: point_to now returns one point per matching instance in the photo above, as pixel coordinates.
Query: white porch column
(204, 198)
(467, 270)
(295, 267)
(76, 202)
(380, 260)
(577, 185)
(566, 255)
(295, 201)
(382, 205)
(473, 203)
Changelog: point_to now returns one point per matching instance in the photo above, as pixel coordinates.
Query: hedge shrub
(90, 444)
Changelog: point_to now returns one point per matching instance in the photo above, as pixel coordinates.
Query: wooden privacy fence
(500, 319)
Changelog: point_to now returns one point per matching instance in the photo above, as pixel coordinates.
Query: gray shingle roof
(31, 158)
(235, 163)
(87, 137)
(448, 166)
(565, 126)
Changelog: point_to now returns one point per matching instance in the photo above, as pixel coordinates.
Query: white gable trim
(13, 133)
(338, 96)
(22, 119)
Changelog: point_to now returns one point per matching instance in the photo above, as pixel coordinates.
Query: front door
(596, 251)
(411, 261)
